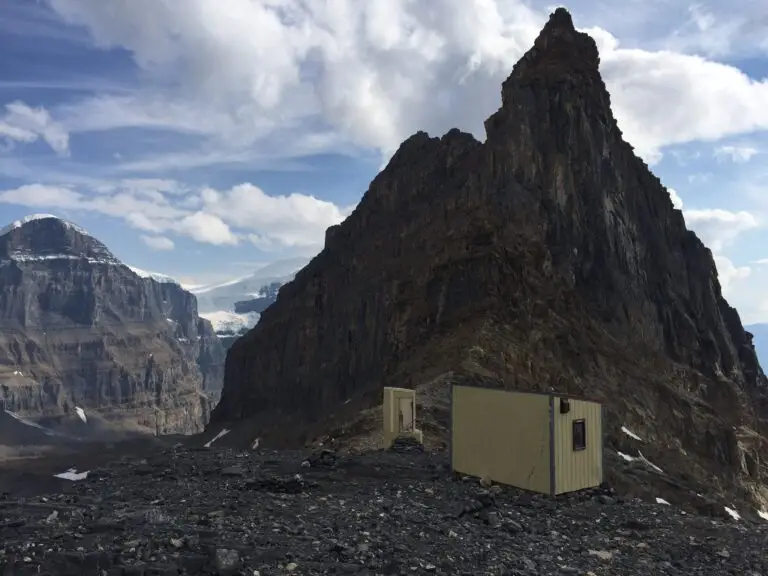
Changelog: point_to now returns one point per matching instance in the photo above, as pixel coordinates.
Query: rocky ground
(175, 510)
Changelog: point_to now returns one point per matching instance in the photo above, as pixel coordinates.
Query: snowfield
(225, 321)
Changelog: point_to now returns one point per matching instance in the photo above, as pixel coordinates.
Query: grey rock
(227, 561)
(373, 513)
(78, 328)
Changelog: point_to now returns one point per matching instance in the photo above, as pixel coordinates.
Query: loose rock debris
(382, 513)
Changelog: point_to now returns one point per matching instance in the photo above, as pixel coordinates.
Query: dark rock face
(548, 257)
(79, 328)
(759, 333)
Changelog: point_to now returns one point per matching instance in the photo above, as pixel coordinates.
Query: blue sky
(201, 141)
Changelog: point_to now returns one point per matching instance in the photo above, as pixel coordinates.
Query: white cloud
(158, 242)
(22, 123)
(207, 228)
(296, 220)
(38, 196)
(374, 72)
(158, 207)
(737, 154)
(719, 228)
(677, 202)
(729, 274)
(744, 287)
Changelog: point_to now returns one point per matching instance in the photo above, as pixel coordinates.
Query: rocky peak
(548, 257)
(79, 328)
(559, 53)
(47, 237)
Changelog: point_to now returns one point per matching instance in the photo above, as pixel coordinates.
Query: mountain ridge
(760, 338)
(547, 258)
(78, 328)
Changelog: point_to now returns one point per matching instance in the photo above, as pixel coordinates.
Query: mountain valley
(150, 428)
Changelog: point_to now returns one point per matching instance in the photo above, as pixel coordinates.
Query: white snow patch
(26, 422)
(631, 434)
(192, 287)
(226, 321)
(662, 501)
(81, 414)
(651, 464)
(221, 434)
(17, 373)
(626, 457)
(763, 514)
(73, 475)
(32, 217)
(23, 256)
(732, 513)
(156, 276)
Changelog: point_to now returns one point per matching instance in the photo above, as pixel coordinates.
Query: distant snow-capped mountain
(33, 217)
(156, 276)
(216, 303)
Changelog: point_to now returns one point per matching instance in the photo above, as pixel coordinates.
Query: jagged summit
(40, 217)
(47, 237)
(548, 257)
(560, 55)
(560, 19)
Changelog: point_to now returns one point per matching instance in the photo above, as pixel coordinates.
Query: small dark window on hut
(579, 435)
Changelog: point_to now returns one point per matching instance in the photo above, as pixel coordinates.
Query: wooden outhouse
(400, 415)
(547, 443)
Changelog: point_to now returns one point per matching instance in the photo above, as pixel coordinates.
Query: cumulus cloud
(744, 287)
(719, 228)
(737, 154)
(729, 274)
(23, 123)
(158, 242)
(677, 202)
(374, 72)
(207, 228)
(158, 207)
(295, 220)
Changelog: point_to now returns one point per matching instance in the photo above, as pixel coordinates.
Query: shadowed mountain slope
(548, 257)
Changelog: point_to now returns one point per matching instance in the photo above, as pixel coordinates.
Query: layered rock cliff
(79, 329)
(548, 257)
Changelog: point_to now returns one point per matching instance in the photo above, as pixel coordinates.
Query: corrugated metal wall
(501, 435)
(580, 469)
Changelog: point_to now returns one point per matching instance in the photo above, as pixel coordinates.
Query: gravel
(181, 511)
